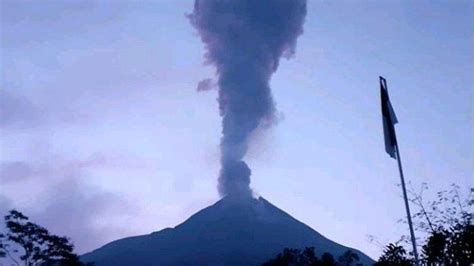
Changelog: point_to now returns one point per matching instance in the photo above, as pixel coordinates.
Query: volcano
(233, 231)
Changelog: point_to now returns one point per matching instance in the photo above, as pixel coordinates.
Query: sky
(104, 134)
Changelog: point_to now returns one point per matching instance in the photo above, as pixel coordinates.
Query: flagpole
(407, 206)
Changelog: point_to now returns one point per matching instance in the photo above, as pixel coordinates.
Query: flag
(389, 120)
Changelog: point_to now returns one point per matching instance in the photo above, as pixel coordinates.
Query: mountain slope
(233, 231)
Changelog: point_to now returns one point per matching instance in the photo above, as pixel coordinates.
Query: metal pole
(412, 233)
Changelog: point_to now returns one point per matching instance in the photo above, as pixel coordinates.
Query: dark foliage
(307, 257)
(433, 250)
(38, 245)
(3, 247)
(348, 258)
(448, 225)
(327, 259)
(394, 255)
(448, 229)
(452, 247)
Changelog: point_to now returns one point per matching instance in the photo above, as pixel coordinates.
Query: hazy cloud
(65, 202)
(25, 18)
(16, 110)
(84, 213)
(14, 171)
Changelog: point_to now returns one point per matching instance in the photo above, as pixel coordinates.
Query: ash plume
(245, 40)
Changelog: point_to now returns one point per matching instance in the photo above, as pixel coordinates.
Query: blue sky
(104, 134)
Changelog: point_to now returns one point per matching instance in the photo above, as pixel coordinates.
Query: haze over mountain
(233, 231)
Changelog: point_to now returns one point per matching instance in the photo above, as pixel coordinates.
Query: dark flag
(389, 120)
(391, 147)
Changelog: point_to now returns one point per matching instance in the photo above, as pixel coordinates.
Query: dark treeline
(307, 257)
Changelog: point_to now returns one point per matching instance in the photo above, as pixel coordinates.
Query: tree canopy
(448, 228)
(34, 244)
(307, 257)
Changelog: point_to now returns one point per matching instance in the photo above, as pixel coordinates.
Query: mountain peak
(232, 231)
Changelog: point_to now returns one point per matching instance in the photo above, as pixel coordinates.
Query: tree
(447, 210)
(433, 250)
(27, 235)
(3, 248)
(294, 257)
(38, 245)
(348, 258)
(394, 255)
(307, 257)
(286, 257)
(327, 259)
(446, 227)
(460, 244)
(59, 250)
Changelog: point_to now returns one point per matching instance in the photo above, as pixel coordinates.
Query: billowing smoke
(245, 40)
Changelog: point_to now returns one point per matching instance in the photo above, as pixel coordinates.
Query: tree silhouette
(433, 250)
(348, 258)
(327, 259)
(38, 245)
(307, 257)
(288, 256)
(3, 248)
(460, 244)
(447, 226)
(394, 255)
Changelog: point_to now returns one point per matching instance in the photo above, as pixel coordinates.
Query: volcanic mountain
(233, 231)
